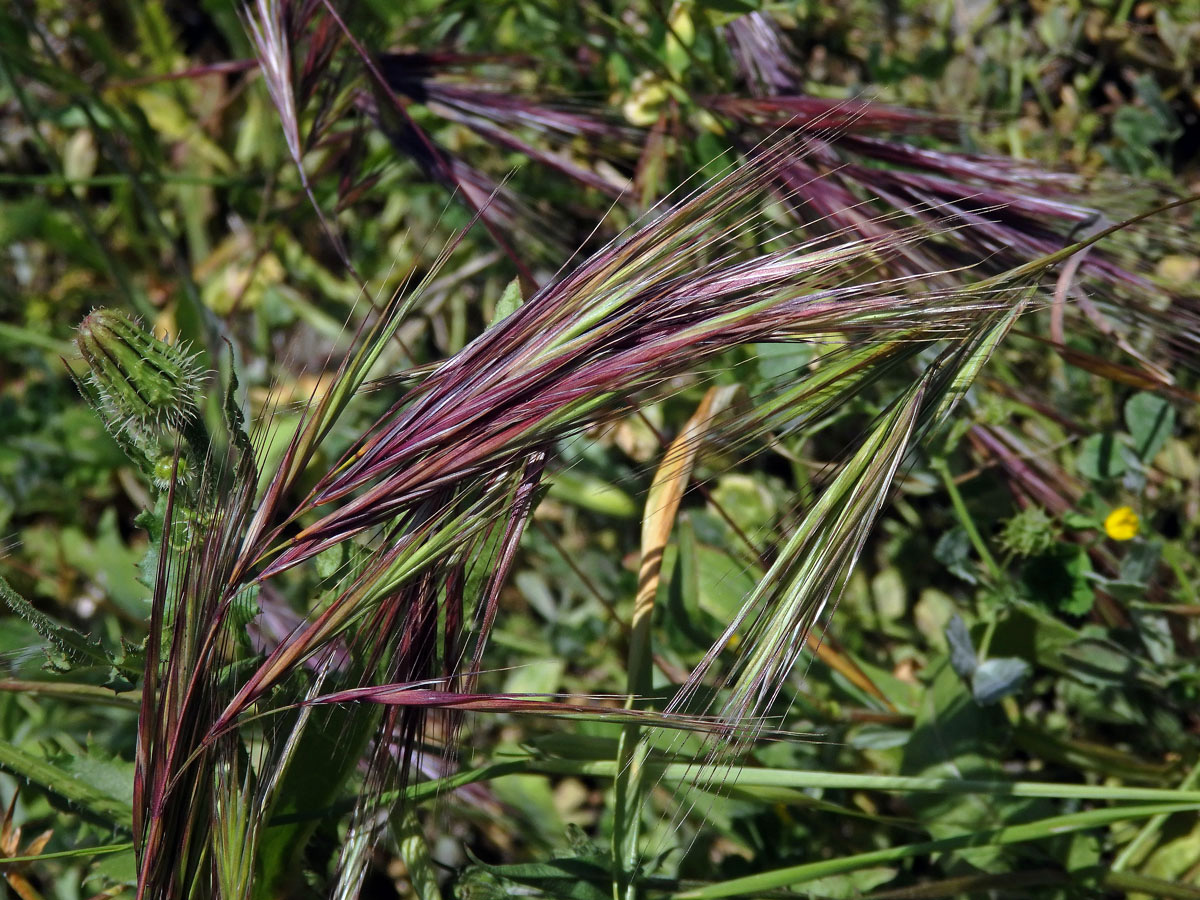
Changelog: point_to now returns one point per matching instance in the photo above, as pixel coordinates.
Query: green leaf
(414, 850)
(963, 660)
(748, 502)
(510, 300)
(109, 775)
(734, 7)
(1141, 559)
(592, 493)
(996, 679)
(115, 868)
(95, 799)
(956, 737)
(235, 421)
(1061, 579)
(1102, 663)
(782, 361)
(569, 878)
(683, 620)
(878, 737)
(541, 676)
(1150, 419)
(1081, 522)
(151, 521)
(71, 646)
(1100, 458)
(1078, 566)
(107, 559)
(1155, 633)
(852, 884)
(953, 550)
(724, 582)
(533, 798)
(326, 747)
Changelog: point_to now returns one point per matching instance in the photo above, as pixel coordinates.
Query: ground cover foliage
(580, 450)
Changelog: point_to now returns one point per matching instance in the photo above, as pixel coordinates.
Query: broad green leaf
(1061, 579)
(328, 750)
(953, 550)
(119, 868)
(109, 775)
(1100, 457)
(962, 652)
(878, 737)
(591, 493)
(571, 878)
(410, 838)
(542, 676)
(852, 885)
(1140, 561)
(109, 560)
(686, 626)
(782, 361)
(724, 582)
(71, 646)
(995, 679)
(81, 794)
(1150, 419)
(510, 300)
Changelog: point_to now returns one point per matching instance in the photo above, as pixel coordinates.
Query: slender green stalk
(77, 853)
(1135, 848)
(992, 837)
(965, 519)
(719, 776)
(19, 335)
(793, 779)
(66, 690)
(662, 505)
(56, 180)
(1153, 887)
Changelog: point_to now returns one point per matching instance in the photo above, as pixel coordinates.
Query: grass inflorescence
(546, 452)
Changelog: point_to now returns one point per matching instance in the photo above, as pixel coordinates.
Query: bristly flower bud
(145, 384)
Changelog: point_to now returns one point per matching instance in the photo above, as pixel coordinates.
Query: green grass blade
(993, 837)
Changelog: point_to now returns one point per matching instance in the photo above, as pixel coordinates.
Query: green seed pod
(166, 467)
(144, 383)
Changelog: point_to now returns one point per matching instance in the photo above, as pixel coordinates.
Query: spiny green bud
(1031, 532)
(144, 383)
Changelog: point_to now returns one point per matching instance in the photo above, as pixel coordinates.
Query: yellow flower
(1121, 524)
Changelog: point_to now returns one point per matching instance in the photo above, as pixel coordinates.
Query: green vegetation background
(121, 186)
